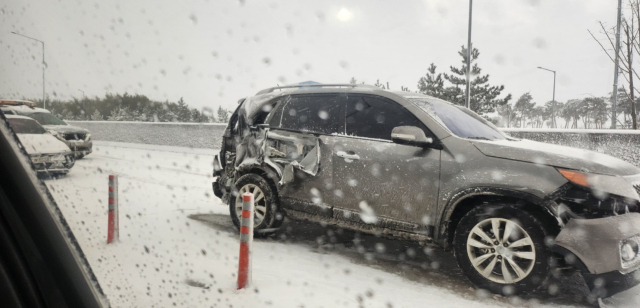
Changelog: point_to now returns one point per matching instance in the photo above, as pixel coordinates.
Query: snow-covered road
(175, 238)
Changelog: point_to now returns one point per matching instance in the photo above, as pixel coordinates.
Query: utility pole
(44, 98)
(468, 90)
(614, 117)
(553, 102)
(630, 40)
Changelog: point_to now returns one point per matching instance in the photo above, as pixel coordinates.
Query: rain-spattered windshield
(24, 126)
(47, 119)
(459, 120)
(188, 105)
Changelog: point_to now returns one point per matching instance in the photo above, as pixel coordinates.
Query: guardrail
(620, 143)
(193, 135)
(624, 144)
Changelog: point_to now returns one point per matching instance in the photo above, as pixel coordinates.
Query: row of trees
(487, 100)
(590, 112)
(133, 107)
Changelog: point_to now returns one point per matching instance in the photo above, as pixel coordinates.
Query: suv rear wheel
(502, 249)
(267, 218)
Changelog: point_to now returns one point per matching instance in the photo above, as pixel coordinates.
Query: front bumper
(593, 246)
(80, 147)
(596, 242)
(48, 164)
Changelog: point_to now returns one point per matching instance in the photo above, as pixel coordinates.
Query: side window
(263, 115)
(233, 122)
(372, 117)
(275, 116)
(317, 114)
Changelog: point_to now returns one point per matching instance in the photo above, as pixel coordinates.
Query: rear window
(317, 114)
(25, 126)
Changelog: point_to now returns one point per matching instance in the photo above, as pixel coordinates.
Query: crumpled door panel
(289, 151)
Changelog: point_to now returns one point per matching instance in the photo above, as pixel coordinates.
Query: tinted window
(24, 126)
(319, 114)
(375, 118)
(46, 119)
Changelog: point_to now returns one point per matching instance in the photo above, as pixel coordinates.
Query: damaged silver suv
(411, 166)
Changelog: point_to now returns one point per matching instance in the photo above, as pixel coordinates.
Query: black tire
(272, 219)
(537, 270)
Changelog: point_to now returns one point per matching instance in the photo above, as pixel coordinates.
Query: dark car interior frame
(40, 265)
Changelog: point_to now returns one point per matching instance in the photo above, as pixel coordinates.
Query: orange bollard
(112, 227)
(246, 238)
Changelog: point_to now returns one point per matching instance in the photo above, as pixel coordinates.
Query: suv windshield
(46, 119)
(459, 120)
(24, 126)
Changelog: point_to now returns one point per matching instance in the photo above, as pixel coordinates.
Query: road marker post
(246, 238)
(113, 221)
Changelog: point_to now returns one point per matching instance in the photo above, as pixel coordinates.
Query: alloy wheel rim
(259, 203)
(501, 250)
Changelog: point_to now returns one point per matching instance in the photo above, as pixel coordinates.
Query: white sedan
(49, 155)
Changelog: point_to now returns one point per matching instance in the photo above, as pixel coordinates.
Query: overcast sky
(214, 52)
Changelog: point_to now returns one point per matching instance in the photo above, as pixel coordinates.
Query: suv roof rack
(320, 85)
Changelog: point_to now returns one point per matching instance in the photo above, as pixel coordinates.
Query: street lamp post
(44, 98)
(553, 102)
(82, 94)
(468, 89)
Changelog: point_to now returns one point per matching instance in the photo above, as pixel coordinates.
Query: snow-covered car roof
(23, 109)
(13, 116)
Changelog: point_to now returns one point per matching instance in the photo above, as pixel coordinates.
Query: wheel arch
(468, 199)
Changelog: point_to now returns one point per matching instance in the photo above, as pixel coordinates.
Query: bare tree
(632, 43)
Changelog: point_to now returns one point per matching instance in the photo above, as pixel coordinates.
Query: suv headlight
(601, 184)
(88, 137)
(629, 249)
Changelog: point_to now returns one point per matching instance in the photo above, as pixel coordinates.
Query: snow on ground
(164, 257)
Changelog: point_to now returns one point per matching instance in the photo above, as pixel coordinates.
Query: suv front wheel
(267, 218)
(502, 249)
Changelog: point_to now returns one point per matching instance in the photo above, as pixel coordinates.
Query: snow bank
(165, 259)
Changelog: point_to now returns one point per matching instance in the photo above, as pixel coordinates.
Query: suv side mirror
(411, 135)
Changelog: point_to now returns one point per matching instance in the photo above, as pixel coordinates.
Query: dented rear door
(381, 182)
(300, 142)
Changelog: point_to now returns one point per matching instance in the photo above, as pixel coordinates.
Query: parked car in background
(412, 166)
(49, 155)
(76, 138)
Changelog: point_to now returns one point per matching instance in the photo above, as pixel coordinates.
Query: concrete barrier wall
(207, 136)
(624, 144)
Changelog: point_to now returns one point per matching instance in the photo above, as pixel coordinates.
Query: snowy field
(177, 247)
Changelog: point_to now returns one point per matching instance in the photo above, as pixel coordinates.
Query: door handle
(348, 155)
